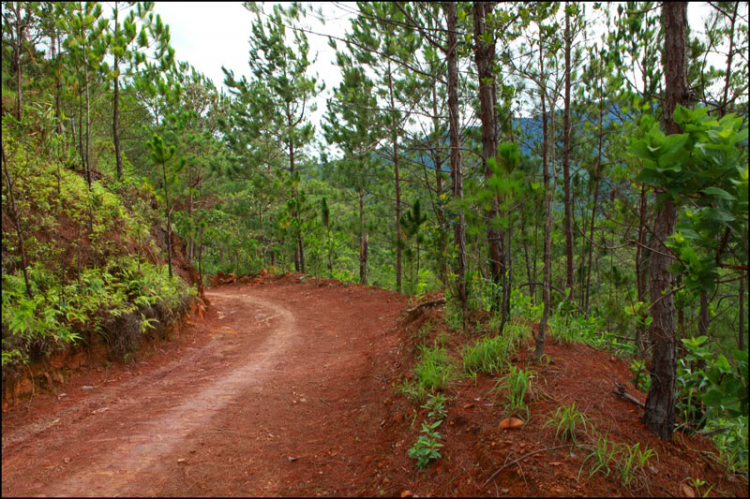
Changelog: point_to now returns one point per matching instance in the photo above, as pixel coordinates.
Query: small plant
(517, 384)
(425, 449)
(435, 369)
(603, 454)
(641, 380)
(436, 405)
(488, 355)
(566, 420)
(414, 391)
(697, 484)
(630, 467)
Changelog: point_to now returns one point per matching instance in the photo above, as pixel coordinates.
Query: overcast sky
(210, 35)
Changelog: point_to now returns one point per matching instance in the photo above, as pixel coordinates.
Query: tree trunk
(566, 161)
(17, 54)
(169, 220)
(362, 240)
(394, 136)
(455, 142)
(116, 113)
(660, 403)
(484, 55)
(596, 186)
(17, 222)
(548, 194)
(639, 272)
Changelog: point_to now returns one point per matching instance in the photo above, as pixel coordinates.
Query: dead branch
(427, 304)
(620, 392)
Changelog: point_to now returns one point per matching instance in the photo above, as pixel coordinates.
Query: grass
(634, 459)
(603, 455)
(517, 384)
(435, 369)
(566, 421)
(488, 355)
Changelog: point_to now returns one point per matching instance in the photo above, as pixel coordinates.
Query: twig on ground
(519, 460)
(620, 392)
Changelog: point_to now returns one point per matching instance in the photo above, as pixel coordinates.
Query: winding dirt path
(277, 398)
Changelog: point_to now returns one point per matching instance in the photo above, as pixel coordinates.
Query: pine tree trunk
(660, 403)
(394, 137)
(639, 271)
(566, 161)
(17, 222)
(484, 55)
(17, 55)
(596, 189)
(362, 240)
(548, 194)
(455, 143)
(116, 113)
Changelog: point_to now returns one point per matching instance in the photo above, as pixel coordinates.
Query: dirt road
(272, 394)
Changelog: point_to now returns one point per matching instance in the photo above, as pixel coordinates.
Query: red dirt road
(272, 394)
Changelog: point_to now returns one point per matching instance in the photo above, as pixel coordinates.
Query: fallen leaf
(468, 406)
(182, 460)
(103, 409)
(555, 463)
(406, 493)
(510, 423)
(292, 459)
(687, 490)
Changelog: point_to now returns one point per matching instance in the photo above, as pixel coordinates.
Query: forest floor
(286, 387)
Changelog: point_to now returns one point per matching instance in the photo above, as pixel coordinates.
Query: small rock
(504, 491)
(687, 490)
(88, 387)
(406, 493)
(653, 470)
(291, 459)
(182, 460)
(66, 460)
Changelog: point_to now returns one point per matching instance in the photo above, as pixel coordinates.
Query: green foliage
(632, 461)
(603, 455)
(641, 380)
(489, 355)
(516, 384)
(59, 315)
(426, 448)
(436, 406)
(566, 421)
(435, 368)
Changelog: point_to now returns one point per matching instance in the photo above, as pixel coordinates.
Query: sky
(210, 35)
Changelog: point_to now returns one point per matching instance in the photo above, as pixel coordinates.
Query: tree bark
(548, 194)
(17, 222)
(660, 403)
(455, 144)
(484, 55)
(639, 271)
(566, 161)
(394, 136)
(116, 113)
(362, 240)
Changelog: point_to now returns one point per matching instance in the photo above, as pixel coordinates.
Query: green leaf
(651, 176)
(715, 191)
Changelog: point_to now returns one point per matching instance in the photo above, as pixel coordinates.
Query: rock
(687, 490)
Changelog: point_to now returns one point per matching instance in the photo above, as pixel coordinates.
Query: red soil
(286, 388)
